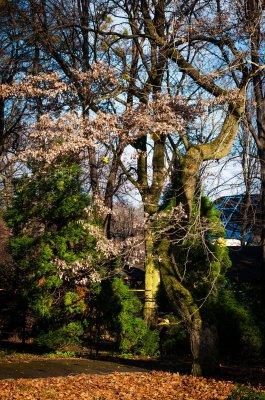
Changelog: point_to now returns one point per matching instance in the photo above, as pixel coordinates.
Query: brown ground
(38, 367)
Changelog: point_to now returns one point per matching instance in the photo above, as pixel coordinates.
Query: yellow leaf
(155, 136)
(126, 77)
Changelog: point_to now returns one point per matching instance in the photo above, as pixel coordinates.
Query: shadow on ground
(21, 365)
(40, 367)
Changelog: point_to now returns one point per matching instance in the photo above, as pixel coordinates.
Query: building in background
(241, 217)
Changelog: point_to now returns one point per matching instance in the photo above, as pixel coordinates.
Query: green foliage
(73, 303)
(45, 220)
(61, 354)
(69, 334)
(213, 216)
(239, 332)
(53, 197)
(244, 393)
(173, 338)
(201, 258)
(117, 309)
(134, 335)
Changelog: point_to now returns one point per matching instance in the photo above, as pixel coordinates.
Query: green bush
(50, 244)
(61, 338)
(243, 393)
(174, 341)
(115, 321)
(238, 330)
(134, 336)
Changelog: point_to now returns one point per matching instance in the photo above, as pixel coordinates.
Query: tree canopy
(138, 96)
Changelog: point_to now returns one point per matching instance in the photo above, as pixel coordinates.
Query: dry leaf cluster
(117, 386)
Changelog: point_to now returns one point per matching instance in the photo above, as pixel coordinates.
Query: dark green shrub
(243, 393)
(238, 331)
(173, 338)
(114, 321)
(61, 338)
(51, 247)
(134, 336)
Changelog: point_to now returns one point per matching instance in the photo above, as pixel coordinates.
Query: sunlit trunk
(152, 279)
(189, 178)
(151, 196)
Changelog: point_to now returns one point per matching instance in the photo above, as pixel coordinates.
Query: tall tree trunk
(151, 196)
(262, 206)
(111, 187)
(254, 19)
(108, 198)
(152, 278)
(195, 332)
(190, 168)
(2, 125)
(202, 337)
(204, 347)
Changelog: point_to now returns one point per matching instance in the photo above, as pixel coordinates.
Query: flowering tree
(62, 32)
(172, 63)
(204, 44)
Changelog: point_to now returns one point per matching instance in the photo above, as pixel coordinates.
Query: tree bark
(262, 206)
(202, 337)
(195, 332)
(2, 126)
(204, 348)
(151, 196)
(152, 279)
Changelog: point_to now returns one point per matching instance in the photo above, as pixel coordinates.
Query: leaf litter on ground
(117, 386)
